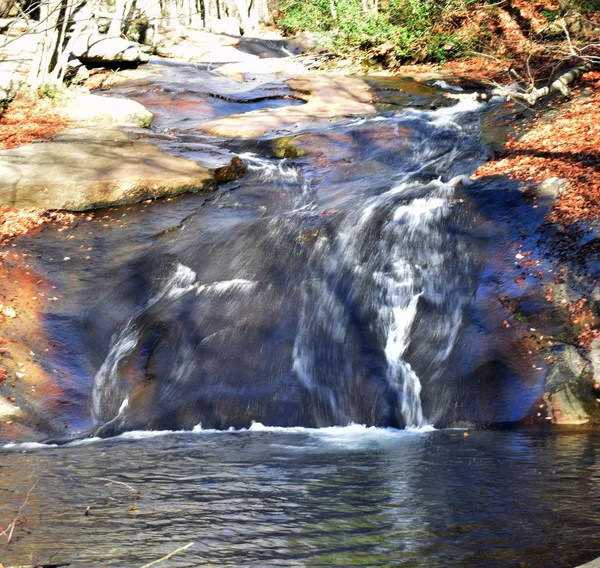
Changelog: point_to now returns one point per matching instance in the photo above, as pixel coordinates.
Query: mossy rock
(285, 148)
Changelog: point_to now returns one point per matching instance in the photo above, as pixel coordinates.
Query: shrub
(416, 30)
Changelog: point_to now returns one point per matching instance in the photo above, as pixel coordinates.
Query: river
(327, 497)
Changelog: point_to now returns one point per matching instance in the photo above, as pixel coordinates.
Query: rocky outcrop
(228, 26)
(107, 110)
(104, 167)
(97, 48)
(200, 46)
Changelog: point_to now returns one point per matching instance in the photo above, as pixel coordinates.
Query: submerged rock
(327, 97)
(89, 168)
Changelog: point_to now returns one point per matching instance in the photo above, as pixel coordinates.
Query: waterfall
(322, 304)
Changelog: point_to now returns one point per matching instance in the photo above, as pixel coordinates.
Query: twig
(155, 562)
(111, 481)
(11, 527)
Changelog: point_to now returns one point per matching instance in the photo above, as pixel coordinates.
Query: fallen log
(561, 84)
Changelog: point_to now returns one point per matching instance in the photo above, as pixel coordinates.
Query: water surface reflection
(294, 497)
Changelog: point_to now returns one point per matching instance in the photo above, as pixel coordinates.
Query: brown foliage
(15, 222)
(29, 119)
(564, 147)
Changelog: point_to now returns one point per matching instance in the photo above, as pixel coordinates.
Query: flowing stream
(281, 372)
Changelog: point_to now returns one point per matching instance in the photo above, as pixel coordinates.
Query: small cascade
(385, 259)
(282, 174)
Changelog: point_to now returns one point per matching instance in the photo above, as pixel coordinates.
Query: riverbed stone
(552, 187)
(8, 410)
(565, 408)
(200, 46)
(107, 110)
(594, 357)
(90, 168)
(267, 67)
(568, 388)
(570, 366)
(327, 97)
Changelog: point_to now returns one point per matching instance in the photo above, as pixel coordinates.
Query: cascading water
(384, 258)
(107, 390)
(256, 352)
(305, 314)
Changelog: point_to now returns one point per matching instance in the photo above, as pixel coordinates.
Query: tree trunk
(84, 17)
(210, 12)
(58, 59)
(117, 20)
(40, 67)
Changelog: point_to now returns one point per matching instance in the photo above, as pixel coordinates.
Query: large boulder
(90, 168)
(200, 46)
(97, 48)
(107, 110)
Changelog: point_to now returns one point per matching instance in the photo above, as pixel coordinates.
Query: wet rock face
(288, 314)
(296, 292)
(535, 301)
(327, 97)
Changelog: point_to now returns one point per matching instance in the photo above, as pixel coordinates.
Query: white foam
(27, 446)
(347, 436)
(225, 285)
(443, 85)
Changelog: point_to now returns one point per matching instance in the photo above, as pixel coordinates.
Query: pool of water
(350, 496)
